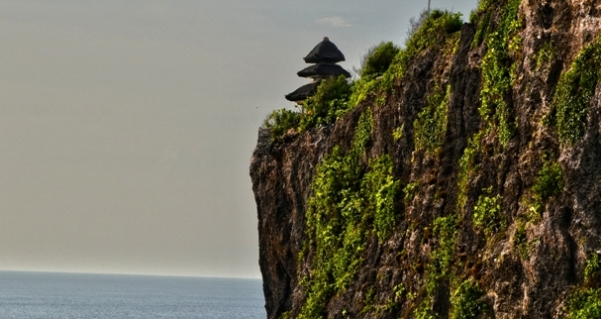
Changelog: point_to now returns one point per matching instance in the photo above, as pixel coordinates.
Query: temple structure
(323, 58)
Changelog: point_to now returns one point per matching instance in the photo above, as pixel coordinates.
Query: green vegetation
(282, 121)
(488, 214)
(397, 133)
(329, 103)
(545, 55)
(350, 202)
(431, 122)
(383, 65)
(399, 293)
(466, 302)
(445, 230)
(368, 300)
(549, 182)
(436, 30)
(520, 239)
(362, 88)
(592, 270)
(378, 59)
(467, 165)
(585, 304)
(381, 191)
(497, 67)
(409, 192)
(574, 92)
(441, 258)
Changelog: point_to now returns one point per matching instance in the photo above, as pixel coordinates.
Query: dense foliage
(378, 59)
(574, 92)
(498, 68)
(436, 30)
(488, 215)
(329, 103)
(431, 122)
(466, 301)
(350, 202)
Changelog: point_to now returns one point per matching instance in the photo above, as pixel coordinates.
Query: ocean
(29, 295)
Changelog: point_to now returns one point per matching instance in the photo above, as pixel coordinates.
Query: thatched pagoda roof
(323, 70)
(303, 92)
(326, 51)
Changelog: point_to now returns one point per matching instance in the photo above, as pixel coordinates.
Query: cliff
(464, 183)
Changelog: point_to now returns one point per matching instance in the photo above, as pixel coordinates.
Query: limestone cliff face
(494, 149)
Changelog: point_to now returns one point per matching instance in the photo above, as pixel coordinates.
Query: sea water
(25, 295)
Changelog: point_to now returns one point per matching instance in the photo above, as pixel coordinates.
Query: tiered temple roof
(324, 57)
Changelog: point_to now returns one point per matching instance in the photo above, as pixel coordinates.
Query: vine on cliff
(350, 202)
(498, 70)
(445, 229)
(431, 122)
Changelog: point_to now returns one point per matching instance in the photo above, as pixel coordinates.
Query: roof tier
(322, 70)
(303, 92)
(325, 51)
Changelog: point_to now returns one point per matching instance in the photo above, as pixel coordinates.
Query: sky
(127, 127)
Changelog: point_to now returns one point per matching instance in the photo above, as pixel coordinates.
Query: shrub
(585, 304)
(328, 104)
(488, 214)
(362, 88)
(282, 121)
(549, 182)
(378, 59)
(466, 302)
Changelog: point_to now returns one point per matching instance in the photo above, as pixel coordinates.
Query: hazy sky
(126, 127)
